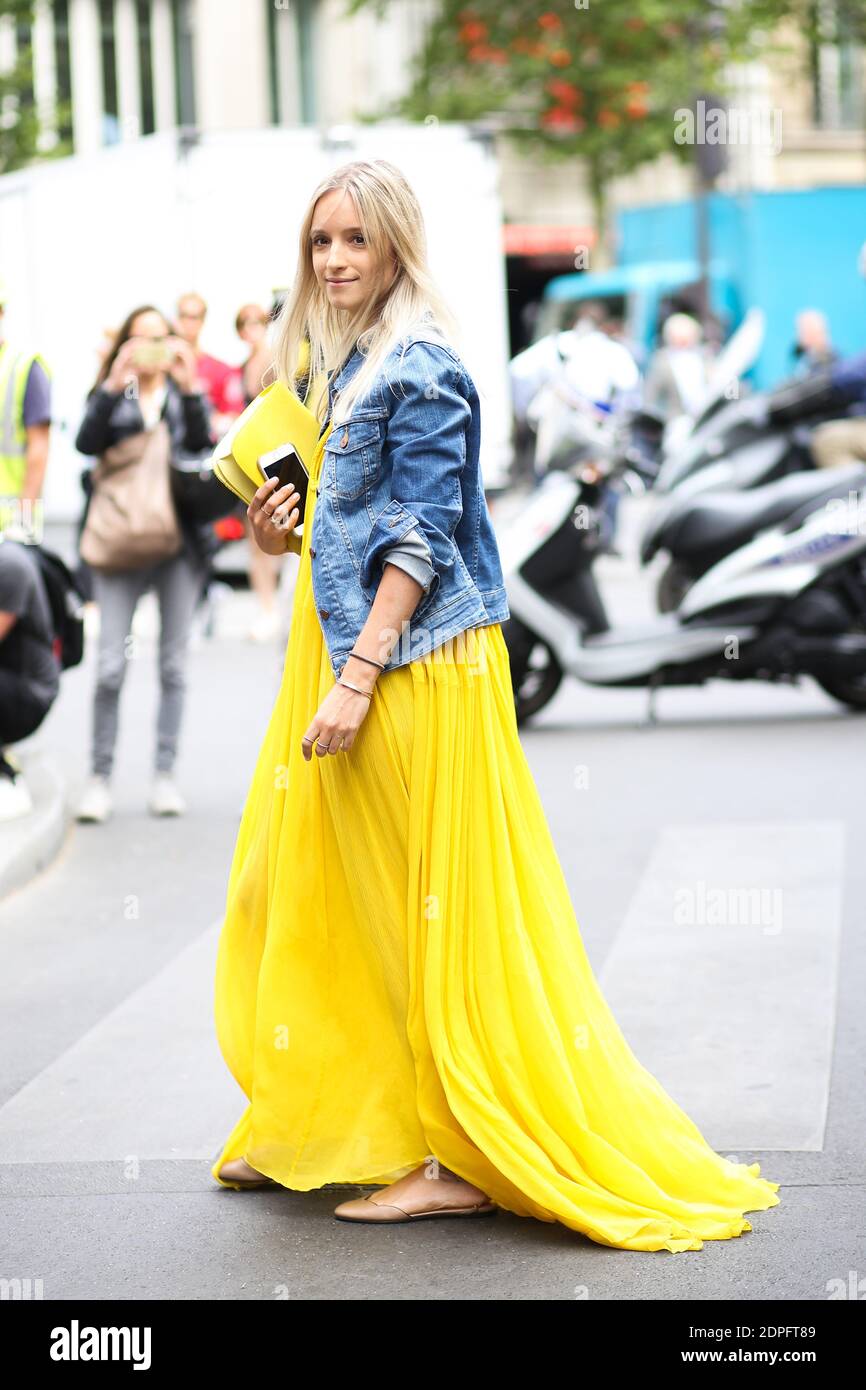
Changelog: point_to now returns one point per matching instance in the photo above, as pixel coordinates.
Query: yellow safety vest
(14, 371)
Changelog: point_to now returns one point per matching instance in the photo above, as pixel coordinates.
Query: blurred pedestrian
(29, 672)
(251, 324)
(615, 328)
(812, 347)
(220, 381)
(596, 379)
(839, 442)
(29, 668)
(678, 372)
(25, 421)
(837, 391)
(597, 364)
(143, 404)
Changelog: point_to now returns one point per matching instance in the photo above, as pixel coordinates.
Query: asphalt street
(115, 1100)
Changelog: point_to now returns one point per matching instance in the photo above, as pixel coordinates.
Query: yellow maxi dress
(401, 976)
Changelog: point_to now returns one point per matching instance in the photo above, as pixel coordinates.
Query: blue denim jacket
(400, 480)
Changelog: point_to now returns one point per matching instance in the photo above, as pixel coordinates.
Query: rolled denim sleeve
(425, 450)
(413, 556)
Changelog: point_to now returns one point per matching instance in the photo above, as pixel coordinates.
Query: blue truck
(779, 251)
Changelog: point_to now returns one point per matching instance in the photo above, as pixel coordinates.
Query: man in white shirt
(676, 381)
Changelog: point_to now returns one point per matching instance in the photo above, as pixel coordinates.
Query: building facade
(108, 71)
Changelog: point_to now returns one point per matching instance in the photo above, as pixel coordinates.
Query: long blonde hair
(392, 223)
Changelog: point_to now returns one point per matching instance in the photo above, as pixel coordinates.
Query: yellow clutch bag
(276, 417)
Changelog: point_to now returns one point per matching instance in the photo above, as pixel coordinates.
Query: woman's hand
(267, 514)
(337, 721)
(123, 368)
(183, 367)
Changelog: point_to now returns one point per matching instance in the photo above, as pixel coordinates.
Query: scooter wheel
(850, 692)
(535, 671)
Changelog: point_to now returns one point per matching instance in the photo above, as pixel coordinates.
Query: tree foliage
(21, 133)
(596, 80)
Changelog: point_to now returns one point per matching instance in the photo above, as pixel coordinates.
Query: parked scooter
(789, 601)
(705, 515)
(735, 442)
(698, 532)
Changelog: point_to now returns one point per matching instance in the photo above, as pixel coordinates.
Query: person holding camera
(142, 406)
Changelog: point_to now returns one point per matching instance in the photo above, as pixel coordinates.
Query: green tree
(599, 81)
(21, 134)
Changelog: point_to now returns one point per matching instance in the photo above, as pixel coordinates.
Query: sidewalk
(29, 844)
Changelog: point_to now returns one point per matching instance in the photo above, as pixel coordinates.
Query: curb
(28, 845)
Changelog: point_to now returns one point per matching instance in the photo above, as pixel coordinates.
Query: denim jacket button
(312, 553)
(323, 613)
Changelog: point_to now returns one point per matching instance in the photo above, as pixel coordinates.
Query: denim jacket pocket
(353, 455)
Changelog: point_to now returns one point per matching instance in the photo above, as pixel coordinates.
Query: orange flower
(549, 21)
(565, 92)
(478, 53)
(607, 119)
(561, 58)
(560, 118)
(473, 31)
(637, 106)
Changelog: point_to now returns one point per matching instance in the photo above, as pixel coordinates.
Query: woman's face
(152, 328)
(344, 264)
(252, 324)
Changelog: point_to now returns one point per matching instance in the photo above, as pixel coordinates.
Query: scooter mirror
(738, 355)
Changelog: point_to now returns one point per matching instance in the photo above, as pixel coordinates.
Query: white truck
(85, 239)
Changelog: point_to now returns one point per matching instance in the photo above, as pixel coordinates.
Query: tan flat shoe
(364, 1209)
(236, 1173)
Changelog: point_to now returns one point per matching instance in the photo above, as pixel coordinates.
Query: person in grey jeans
(147, 374)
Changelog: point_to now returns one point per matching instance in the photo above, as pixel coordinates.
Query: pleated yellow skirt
(401, 976)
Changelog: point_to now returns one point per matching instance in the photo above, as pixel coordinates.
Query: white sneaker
(95, 804)
(265, 627)
(165, 798)
(15, 798)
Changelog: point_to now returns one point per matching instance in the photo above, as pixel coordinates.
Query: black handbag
(198, 494)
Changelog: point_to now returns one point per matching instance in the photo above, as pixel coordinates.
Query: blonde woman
(401, 991)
